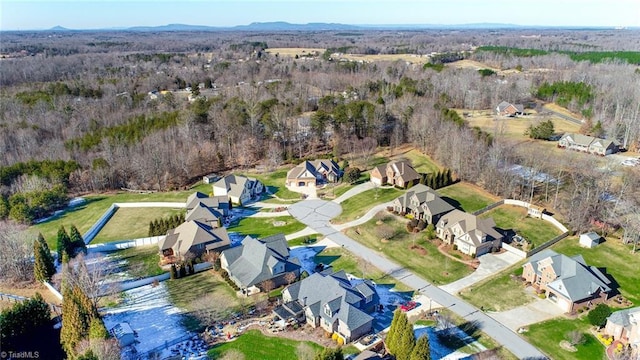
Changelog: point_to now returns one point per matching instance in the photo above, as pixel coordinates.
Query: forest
(157, 110)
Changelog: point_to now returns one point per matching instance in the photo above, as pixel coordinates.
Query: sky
(96, 14)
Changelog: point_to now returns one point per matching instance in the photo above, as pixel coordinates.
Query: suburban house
(397, 172)
(470, 234)
(508, 109)
(205, 214)
(332, 301)
(588, 144)
(256, 261)
(423, 203)
(219, 203)
(624, 325)
(312, 173)
(568, 281)
(239, 189)
(192, 237)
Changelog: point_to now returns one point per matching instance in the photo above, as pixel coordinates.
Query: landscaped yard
(358, 205)
(140, 261)
(84, 216)
(467, 197)
(547, 336)
(262, 227)
(615, 257)
(500, 292)
(513, 217)
(428, 262)
(131, 223)
(341, 259)
(254, 345)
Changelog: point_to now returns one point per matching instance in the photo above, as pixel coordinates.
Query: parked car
(409, 305)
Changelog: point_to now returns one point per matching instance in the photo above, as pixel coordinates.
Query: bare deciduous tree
(17, 249)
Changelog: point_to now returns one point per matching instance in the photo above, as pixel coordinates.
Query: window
(327, 311)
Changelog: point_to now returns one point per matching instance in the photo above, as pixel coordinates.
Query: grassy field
(514, 217)
(141, 261)
(500, 292)
(254, 345)
(341, 259)
(131, 223)
(261, 227)
(358, 205)
(431, 264)
(27, 290)
(467, 197)
(547, 336)
(615, 257)
(420, 162)
(84, 216)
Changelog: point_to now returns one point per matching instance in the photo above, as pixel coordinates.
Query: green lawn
(420, 162)
(254, 345)
(500, 292)
(262, 227)
(358, 205)
(433, 265)
(513, 217)
(467, 197)
(131, 223)
(341, 259)
(547, 336)
(615, 257)
(141, 261)
(84, 216)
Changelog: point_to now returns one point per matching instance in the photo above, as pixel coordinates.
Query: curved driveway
(317, 213)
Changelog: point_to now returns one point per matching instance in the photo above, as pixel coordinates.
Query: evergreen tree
(88, 355)
(97, 330)
(44, 267)
(421, 350)
(22, 319)
(78, 312)
(151, 231)
(406, 341)
(182, 272)
(173, 272)
(393, 331)
(448, 177)
(63, 242)
(77, 242)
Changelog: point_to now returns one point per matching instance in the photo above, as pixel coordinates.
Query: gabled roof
(504, 105)
(335, 290)
(221, 202)
(235, 184)
(429, 200)
(623, 317)
(402, 169)
(203, 213)
(470, 224)
(195, 198)
(251, 262)
(191, 233)
(311, 169)
(575, 279)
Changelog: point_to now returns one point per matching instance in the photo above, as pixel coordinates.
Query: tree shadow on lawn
(452, 338)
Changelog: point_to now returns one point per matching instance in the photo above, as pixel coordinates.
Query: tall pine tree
(63, 243)
(78, 312)
(44, 267)
(421, 350)
(400, 339)
(393, 331)
(77, 242)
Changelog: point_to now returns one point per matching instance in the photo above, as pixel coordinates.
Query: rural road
(317, 214)
(561, 115)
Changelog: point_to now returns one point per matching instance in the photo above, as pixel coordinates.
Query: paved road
(561, 115)
(317, 213)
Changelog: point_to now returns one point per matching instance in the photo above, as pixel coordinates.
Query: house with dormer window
(470, 234)
(423, 203)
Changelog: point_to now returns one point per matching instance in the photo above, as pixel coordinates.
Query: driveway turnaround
(317, 213)
(537, 311)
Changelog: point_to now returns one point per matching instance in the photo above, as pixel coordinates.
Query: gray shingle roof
(251, 262)
(470, 224)
(191, 233)
(202, 212)
(621, 317)
(575, 279)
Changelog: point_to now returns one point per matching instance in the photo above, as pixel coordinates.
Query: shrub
(598, 316)
(173, 273)
(455, 247)
(422, 224)
(409, 227)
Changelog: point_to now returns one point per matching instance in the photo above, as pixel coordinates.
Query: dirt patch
(419, 249)
(565, 345)
(384, 241)
(279, 223)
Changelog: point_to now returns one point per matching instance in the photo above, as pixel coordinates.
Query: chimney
(304, 301)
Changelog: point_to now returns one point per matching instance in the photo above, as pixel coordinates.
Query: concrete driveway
(537, 311)
(317, 213)
(490, 264)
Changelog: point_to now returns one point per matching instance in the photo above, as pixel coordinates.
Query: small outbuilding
(210, 179)
(536, 211)
(589, 240)
(124, 334)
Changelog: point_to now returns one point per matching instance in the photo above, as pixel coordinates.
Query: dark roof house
(423, 203)
(193, 237)
(508, 109)
(256, 261)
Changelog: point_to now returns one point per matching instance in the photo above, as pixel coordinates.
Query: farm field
(132, 223)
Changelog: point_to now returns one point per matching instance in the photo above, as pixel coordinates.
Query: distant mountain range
(285, 26)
